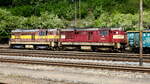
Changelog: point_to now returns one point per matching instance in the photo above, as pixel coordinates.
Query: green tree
(118, 20)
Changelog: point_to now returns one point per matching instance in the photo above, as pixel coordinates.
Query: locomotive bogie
(20, 46)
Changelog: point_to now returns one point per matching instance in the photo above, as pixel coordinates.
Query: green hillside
(30, 14)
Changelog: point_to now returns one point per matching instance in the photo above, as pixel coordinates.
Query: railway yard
(19, 64)
(74, 42)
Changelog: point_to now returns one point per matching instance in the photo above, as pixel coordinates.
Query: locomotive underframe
(68, 46)
(94, 46)
(34, 45)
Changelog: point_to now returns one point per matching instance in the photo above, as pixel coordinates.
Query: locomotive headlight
(118, 36)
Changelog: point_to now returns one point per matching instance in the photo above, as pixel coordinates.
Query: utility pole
(75, 22)
(80, 9)
(140, 30)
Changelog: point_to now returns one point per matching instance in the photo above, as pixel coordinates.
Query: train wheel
(94, 49)
(54, 49)
(57, 49)
(136, 50)
(63, 48)
(11, 46)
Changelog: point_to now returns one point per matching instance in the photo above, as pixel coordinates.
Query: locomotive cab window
(43, 33)
(104, 33)
(116, 32)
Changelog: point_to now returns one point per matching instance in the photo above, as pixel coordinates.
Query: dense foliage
(61, 14)
(9, 22)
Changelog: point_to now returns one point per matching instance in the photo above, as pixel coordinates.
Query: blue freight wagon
(133, 40)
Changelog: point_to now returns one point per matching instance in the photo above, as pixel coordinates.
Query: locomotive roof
(89, 29)
(68, 29)
(25, 30)
(80, 29)
(32, 30)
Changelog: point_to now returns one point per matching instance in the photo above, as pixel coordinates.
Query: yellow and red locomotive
(84, 39)
(36, 38)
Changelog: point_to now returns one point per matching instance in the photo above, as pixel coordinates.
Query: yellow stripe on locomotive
(53, 37)
(36, 37)
(25, 36)
(13, 36)
(47, 37)
(21, 36)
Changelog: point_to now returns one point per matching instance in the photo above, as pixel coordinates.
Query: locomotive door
(90, 35)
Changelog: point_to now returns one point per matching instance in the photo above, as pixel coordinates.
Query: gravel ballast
(74, 60)
(64, 75)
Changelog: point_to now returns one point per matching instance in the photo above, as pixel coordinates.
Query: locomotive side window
(103, 33)
(43, 33)
(50, 33)
(77, 32)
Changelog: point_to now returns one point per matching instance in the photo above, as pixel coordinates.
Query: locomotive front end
(119, 37)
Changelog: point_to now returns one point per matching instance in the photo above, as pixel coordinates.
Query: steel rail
(81, 65)
(68, 52)
(76, 56)
(71, 52)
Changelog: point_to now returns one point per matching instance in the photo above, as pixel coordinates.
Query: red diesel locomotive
(93, 39)
(80, 39)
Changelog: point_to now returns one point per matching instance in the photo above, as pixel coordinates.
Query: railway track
(81, 65)
(40, 54)
(72, 52)
(4, 46)
(77, 55)
(84, 57)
